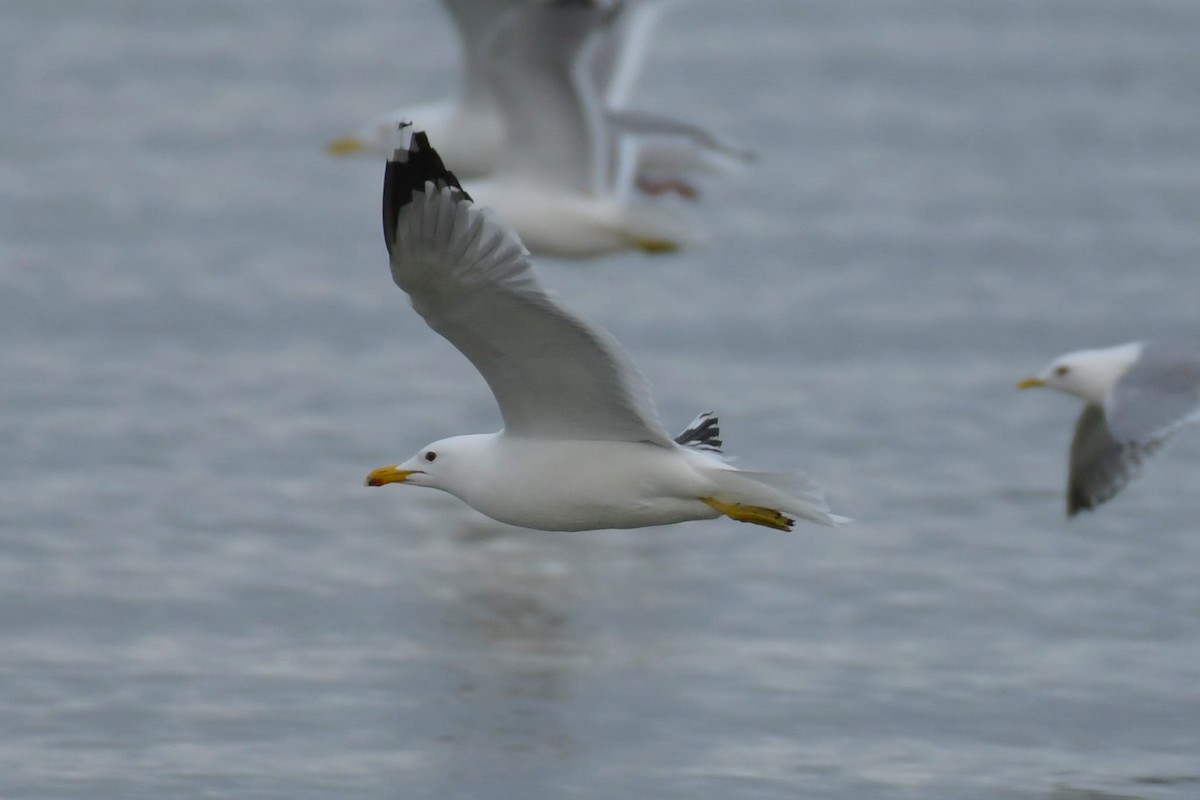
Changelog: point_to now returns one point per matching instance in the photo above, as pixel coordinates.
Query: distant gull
(566, 178)
(470, 126)
(1137, 396)
(581, 447)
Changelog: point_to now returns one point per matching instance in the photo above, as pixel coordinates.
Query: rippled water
(203, 355)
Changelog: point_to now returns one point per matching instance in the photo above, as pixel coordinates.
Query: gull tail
(780, 493)
(702, 433)
(413, 164)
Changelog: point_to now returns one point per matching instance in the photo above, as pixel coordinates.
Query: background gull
(566, 181)
(581, 447)
(1137, 396)
(470, 125)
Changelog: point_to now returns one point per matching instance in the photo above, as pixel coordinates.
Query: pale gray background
(203, 355)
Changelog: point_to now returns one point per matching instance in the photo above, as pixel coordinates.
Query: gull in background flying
(1136, 397)
(581, 447)
(565, 181)
(470, 126)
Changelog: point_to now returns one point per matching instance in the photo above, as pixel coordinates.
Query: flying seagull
(1136, 397)
(470, 125)
(581, 447)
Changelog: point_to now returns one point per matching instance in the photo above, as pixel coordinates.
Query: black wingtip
(413, 164)
(1078, 500)
(704, 433)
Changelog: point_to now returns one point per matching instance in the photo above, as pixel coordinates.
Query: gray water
(203, 355)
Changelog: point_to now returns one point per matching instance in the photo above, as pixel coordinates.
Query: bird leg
(757, 515)
(654, 246)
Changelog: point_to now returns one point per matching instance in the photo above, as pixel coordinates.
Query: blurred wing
(622, 50)
(1156, 397)
(474, 20)
(648, 124)
(1100, 466)
(669, 148)
(554, 118)
(553, 374)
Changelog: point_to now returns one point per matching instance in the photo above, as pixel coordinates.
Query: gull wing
(644, 123)
(1154, 399)
(622, 50)
(474, 21)
(538, 59)
(1157, 396)
(1100, 465)
(553, 374)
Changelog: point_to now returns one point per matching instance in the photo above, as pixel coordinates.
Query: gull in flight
(566, 182)
(581, 447)
(470, 127)
(1136, 396)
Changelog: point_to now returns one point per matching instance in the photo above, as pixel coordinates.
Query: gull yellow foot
(655, 245)
(758, 515)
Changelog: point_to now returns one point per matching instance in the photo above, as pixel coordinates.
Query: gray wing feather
(643, 123)
(1100, 466)
(553, 116)
(621, 53)
(553, 374)
(1157, 396)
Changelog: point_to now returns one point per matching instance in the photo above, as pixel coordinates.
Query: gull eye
(430, 455)
(1061, 369)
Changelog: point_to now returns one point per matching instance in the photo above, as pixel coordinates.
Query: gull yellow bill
(385, 475)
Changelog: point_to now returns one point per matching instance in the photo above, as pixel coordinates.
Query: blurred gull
(566, 180)
(581, 447)
(469, 126)
(1137, 396)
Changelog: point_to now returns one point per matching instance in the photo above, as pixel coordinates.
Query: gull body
(499, 475)
(582, 447)
(1136, 396)
(554, 221)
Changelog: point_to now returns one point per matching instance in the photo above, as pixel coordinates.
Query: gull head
(1087, 374)
(433, 466)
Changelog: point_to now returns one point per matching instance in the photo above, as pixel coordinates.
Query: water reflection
(506, 605)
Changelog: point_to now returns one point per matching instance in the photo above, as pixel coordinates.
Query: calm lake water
(203, 354)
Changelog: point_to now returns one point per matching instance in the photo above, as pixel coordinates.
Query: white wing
(538, 60)
(466, 272)
(474, 20)
(1158, 395)
(620, 55)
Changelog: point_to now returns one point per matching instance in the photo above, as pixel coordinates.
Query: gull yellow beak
(1031, 383)
(392, 474)
(345, 146)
